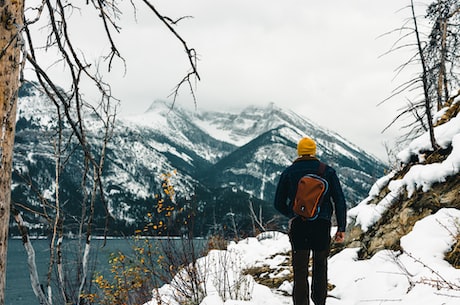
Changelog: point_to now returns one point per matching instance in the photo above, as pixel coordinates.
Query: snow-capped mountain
(221, 159)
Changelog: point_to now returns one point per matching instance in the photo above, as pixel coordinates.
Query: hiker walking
(307, 235)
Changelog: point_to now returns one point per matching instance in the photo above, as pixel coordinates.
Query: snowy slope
(419, 275)
(419, 176)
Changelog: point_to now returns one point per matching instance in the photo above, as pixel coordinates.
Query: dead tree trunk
(34, 279)
(424, 77)
(11, 20)
(442, 89)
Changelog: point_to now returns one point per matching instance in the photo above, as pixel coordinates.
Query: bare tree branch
(72, 136)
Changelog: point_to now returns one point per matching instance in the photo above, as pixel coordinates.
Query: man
(310, 236)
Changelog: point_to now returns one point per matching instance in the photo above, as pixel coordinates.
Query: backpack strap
(321, 169)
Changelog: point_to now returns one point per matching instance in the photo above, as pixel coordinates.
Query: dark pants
(309, 237)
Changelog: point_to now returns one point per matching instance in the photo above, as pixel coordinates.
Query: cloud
(319, 58)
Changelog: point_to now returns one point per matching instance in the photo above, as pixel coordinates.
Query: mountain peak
(159, 105)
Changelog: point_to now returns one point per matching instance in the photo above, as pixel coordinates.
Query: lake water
(18, 287)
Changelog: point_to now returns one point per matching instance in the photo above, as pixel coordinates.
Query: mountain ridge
(199, 148)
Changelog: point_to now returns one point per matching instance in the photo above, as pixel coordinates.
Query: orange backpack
(310, 193)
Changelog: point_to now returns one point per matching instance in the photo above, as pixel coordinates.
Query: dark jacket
(287, 187)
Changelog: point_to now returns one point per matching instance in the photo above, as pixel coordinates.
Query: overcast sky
(318, 58)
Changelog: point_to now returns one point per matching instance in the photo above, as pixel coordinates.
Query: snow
(36, 108)
(224, 135)
(420, 176)
(156, 116)
(389, 276)
(443, 133)
(340, 150)
(402, 277)
(416, 274)
(222, 271)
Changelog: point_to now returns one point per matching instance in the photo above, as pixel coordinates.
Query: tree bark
(442, 83)
(11, 22)
(424, 77)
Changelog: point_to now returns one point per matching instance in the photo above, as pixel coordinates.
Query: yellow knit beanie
(306, 146)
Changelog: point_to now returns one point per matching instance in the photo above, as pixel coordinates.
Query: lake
(18, 287)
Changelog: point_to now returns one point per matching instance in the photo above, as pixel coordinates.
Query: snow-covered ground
(419, 275)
